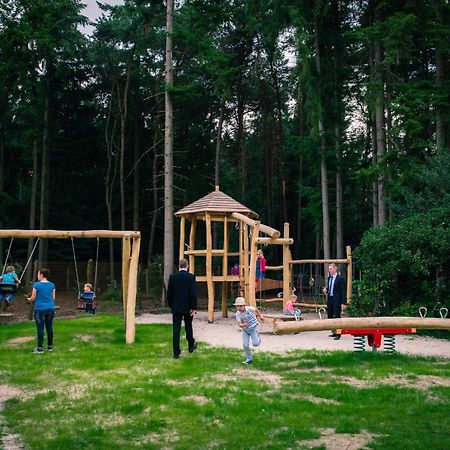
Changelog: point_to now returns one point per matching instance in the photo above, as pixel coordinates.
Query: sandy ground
(224, 332)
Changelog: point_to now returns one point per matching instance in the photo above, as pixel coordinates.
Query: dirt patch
(200, 399)
(332, 441)
(8, 441)
(20, 340)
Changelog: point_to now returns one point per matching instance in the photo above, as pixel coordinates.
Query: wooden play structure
(131, 242)
(219, 208)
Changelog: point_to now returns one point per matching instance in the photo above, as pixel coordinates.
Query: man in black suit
(182, 299)
(336, 295)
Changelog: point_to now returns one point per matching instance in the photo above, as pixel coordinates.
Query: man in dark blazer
(336, 295)
(182, 299)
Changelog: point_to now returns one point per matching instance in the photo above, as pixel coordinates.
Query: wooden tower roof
(216, 202)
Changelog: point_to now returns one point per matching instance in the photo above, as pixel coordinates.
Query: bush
(405, 265)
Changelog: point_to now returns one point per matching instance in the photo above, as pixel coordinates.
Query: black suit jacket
(182, 292)
(339, 291)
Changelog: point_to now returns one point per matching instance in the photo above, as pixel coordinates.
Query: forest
(332, 115)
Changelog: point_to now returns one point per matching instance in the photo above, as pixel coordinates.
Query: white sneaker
(247, 362)
(38, 350)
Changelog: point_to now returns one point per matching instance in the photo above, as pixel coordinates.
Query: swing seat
(87, 302)
(8, 288)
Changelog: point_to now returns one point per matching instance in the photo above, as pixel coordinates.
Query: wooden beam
(182, 237)
(319, 261)
(252, 275)
(245, 267)
(277, 241)
(286, 266)
(274, 234)
(362, 322)
(348, 250)
(66, 234)
(216, 251)
(130, 330)
(225, 269)
(209, 272)
(126, 250)
(192, 244)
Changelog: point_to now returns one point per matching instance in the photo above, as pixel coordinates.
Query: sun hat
(240, 301)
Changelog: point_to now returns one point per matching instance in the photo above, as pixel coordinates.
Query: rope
(29, 259)
(76, 267)
(96, 265)
(7, 256)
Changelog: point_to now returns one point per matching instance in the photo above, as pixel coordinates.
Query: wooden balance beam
(361, 322)
(272, 318)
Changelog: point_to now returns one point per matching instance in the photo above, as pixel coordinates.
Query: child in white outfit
(247, 318)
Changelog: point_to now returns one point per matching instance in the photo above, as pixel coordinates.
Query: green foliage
(112, 294)
(405, 265)
(98, 393)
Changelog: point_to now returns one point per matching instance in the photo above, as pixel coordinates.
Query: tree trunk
(241, 147)
(218, 144)
(380, 123)
(323, 164)
(43, 207)
(32, 221)
(301, 115)
(136, 171)
(168, 155)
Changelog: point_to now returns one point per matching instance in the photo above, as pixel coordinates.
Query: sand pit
(225, 333)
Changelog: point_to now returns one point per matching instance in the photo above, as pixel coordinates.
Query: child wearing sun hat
(247, 318)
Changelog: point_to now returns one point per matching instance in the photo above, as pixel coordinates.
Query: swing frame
(131, 243)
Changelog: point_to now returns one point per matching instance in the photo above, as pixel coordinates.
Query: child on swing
(87, 299)
(10, 278)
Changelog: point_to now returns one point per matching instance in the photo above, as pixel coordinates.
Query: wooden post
(209, 275)
(125, 271)
(349, 273)
(130, 326)
(182, 237)
(245, 267)
(252, 275)
(192, 244)
(286, 267)
(225, 268)
(241, 260)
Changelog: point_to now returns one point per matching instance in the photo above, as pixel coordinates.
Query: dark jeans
(177, 318)
(44, 318)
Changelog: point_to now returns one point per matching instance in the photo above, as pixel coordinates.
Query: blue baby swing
(87, 301)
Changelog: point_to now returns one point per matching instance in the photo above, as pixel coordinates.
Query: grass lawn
(95, 392)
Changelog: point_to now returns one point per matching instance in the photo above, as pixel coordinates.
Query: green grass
(95, 392)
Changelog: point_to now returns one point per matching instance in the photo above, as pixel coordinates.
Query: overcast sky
(93, 12)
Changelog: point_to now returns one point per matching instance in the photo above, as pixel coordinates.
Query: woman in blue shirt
(43, 296)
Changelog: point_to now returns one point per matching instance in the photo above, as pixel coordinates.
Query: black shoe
(337, 337)
(332, 335)
(176, 356)
(191, 349)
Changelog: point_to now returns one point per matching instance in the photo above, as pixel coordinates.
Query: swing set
(131, 242)
(6, 288)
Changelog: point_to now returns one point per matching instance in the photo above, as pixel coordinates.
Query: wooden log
(252, 275)
(319, 261)
(126, 250)
(278, 318)
(271, 300)
(286, 267)
(215, 251)
(209, 280)
(278, 241)
(65, 234)
(348, 249)
(274, 234)
(309, 305)
(362, 322)
(274, 268)
(130, 326)
(225, 269)
(182, 237)
(245, 267)
(192, 245)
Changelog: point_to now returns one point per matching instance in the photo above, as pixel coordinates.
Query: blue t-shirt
(9, 278)
(44, 295)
